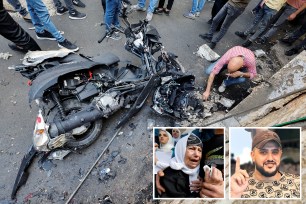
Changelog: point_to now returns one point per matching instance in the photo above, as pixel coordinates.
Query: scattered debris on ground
(206, 52)
(5, 55)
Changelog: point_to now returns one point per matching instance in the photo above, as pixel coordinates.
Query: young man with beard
(266, 181)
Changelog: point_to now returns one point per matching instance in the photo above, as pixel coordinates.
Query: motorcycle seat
(106, 59)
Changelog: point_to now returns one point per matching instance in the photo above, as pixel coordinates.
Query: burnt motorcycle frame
(48, 83)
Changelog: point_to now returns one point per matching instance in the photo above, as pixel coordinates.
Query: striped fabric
(249, 60)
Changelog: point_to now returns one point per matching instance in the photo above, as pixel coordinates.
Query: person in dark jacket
(183, 169)
(12, 31)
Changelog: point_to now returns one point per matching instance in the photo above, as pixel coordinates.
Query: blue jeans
(286, 13)
(141, 3)
(197, 6)
(17, 6)
(152, 6)
(230, 13)
(263, 16)
(41, 19)
(69, 5)
(112, 13)
(229, 80)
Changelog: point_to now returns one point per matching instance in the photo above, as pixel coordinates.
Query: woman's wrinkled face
(193, 156)
(175, 133)
(163, 137)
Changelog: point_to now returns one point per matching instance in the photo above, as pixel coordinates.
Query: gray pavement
(132, 180)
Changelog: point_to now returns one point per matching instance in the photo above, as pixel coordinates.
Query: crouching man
(240, 64)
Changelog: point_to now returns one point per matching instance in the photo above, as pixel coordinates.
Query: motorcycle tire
(86, 138)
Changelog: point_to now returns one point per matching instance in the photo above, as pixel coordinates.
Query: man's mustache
(269, 162)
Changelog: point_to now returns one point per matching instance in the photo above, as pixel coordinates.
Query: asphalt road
(130, 156)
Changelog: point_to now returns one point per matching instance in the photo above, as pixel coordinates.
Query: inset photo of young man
(188, 163)
(265, 163)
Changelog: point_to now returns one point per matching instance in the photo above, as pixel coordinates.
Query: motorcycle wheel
(84, 135)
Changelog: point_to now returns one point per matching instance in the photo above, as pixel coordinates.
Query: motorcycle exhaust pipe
(89, 114)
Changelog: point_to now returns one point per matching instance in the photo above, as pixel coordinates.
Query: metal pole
(97, 160)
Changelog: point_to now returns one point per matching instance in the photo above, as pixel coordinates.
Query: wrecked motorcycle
(75, 92)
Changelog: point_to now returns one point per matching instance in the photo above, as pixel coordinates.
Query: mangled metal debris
(59, 155)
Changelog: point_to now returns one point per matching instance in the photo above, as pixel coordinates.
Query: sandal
(158, 11)
(167, 12)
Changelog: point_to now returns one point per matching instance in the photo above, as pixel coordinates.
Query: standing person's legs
(232, 14)
(161, 3)
(200, 5)
(69, 5)
(17, 6)
(109, 14)
(103, 5)
(170, 4)
(152, 6)
(142, 3)
(116, 14)
(287, 12)
(41, 19)
(268, 14)
(13, 32)
(194, 6)
(259, 15)
(151, 9)
(217, 19)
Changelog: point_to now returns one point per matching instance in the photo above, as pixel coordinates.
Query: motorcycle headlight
(40, 134)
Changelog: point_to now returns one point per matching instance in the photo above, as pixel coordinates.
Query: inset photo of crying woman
(188, 163)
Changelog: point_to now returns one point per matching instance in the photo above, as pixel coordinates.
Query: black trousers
(103, 2)
(297, 34)
(14, 32)
(169, 5)
(216, 8)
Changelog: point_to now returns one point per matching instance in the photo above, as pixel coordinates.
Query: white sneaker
(138, 8)
(222, 87)
(197, 14)
(149, 16)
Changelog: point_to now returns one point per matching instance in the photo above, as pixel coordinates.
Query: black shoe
(240, 34)
(31, 46)
(15, 47)
(45, 36)
(61, 11)
(209, 22)
(286, 41)
(292, 51)
(205, 37)
(68, 45)
(246, 43)
(75, 15)
(159, 11)
(212, 45)
(78, 3)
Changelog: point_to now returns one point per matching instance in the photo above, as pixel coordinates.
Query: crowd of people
(269, 16)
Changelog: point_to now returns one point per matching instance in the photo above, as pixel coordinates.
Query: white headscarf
(178, 163)
(169, 145)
